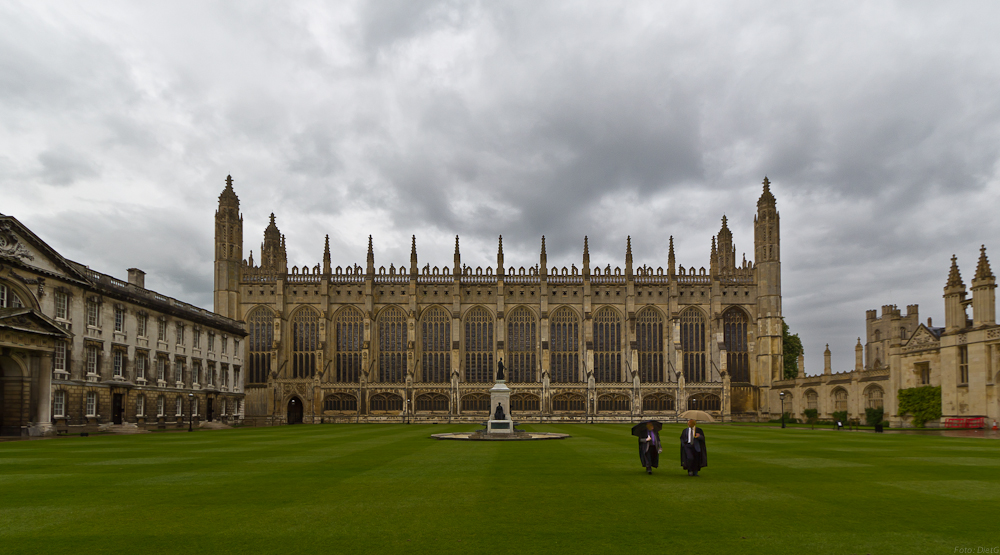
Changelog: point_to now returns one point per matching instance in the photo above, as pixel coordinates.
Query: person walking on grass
(694, 454)
(649, 448)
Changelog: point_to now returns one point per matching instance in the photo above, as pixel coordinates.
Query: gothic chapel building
(368, 343)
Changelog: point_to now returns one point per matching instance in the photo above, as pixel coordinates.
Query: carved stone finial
(983, 270)
(954, 276)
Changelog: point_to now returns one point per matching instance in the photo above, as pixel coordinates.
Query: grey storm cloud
(876, 122)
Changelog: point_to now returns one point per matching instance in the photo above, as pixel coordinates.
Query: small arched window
(524, 402)
(873, 397)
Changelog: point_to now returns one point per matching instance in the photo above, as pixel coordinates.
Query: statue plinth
(500, 397)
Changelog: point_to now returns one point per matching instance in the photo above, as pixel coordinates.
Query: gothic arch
(433, 402)
(478, 341)
(348, 340)
(736, 335)
(392, 338)
(475, 402)
(812, 399)
(522, 345)
(260, 343)
(614, 402)
(649, 344)
(435, 345)
(524, 402)
(304, 323)
(340, 402)
(704, 401)
(607, 324)
(569, 402)
(385, 403)
(874, 397)
(840, 398)
(694, 330)
(564, 337)
(658, 402)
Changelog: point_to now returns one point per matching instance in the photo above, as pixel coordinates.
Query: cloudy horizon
(877, 124)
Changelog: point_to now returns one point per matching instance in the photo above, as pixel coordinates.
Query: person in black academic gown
(694, 454)
(649, 449)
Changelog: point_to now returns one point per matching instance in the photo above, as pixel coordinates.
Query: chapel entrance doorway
(295, 411)
(117, 410)
(209, 411)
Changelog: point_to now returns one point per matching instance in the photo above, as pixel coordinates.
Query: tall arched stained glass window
(392, 346)
(478, 346)
(607, 346)
(305, 342)
(260, 341)
(564, 357)
(435, 337)
(521, 346)
(693, 345)
(349, 331)
(649, 343)
(734, 325)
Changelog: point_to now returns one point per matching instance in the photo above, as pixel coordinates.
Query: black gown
(649, 452)
(694, 456)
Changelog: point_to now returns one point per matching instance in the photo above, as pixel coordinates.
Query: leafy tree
(812, 415)
(874, 416)
(792, 348)
(923, 403)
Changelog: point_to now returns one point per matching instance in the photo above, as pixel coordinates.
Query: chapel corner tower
(228, 252)
(767, 247)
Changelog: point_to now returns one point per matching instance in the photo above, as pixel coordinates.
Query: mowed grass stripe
(389, 488)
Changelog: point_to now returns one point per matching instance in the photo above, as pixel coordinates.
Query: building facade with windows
(83, 350)
(332, 343)
(900, 352)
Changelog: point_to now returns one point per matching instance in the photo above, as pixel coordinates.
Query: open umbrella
(697, 415)
(639, 430)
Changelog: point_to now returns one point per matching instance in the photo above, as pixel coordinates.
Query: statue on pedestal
(498, 414)
(500, 374)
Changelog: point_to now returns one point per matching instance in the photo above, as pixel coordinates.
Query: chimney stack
(137, 277)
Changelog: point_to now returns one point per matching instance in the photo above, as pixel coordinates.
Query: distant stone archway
(294, 411)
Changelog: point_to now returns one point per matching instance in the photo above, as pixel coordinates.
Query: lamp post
(190, 411)
(782, 396)
(407, 411)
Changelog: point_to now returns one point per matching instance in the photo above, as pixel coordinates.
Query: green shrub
(922, 403)
(812, 416)
(873, 416)
(840, 416)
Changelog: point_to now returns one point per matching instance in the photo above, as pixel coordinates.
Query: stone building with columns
(350, 343)
(901, 352)
(84, 351)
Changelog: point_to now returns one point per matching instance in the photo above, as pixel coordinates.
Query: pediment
(31, 321)
(921, 339)
(18, 244)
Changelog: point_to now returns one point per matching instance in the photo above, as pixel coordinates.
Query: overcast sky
(878, 124)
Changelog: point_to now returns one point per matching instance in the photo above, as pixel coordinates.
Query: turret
(326, 256)
(543, 260)
(859, 356)
(726, 255)
(228, 252)
(370, 263)
(272, 250)
(413, 257)
(628, 257)
(984, 311)
(768, 277)
(500, 257)
(954, 299)
(827, 366)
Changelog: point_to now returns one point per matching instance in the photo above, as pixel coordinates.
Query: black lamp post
(782, 395)
(190, 411)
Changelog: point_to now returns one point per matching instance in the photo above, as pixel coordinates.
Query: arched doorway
(13, 407)
(295, 411)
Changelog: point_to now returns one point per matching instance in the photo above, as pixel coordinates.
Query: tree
(792, 348)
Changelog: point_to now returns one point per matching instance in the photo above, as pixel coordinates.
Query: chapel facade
(350, 343)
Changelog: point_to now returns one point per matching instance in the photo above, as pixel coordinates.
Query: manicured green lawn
(390, 489)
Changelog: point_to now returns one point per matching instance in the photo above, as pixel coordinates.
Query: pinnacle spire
(413, 256)
(458, 260)
(326, 255)
(586, 257)
(954, 276)
(500, 256)
(628, 256)
(983, 270)
(371, 258)
(228, 196)
(766, 197)
(670, 257)
(543, 260)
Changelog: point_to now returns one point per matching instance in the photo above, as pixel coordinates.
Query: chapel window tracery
(607, 346)
(305, 343)
(392, 346)
(649, 343)
(735, 325)
(435, 332)
(349, 330)
(564, 357)
(478, 346)
(693, 345)
(521, 346)
(260, 332)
